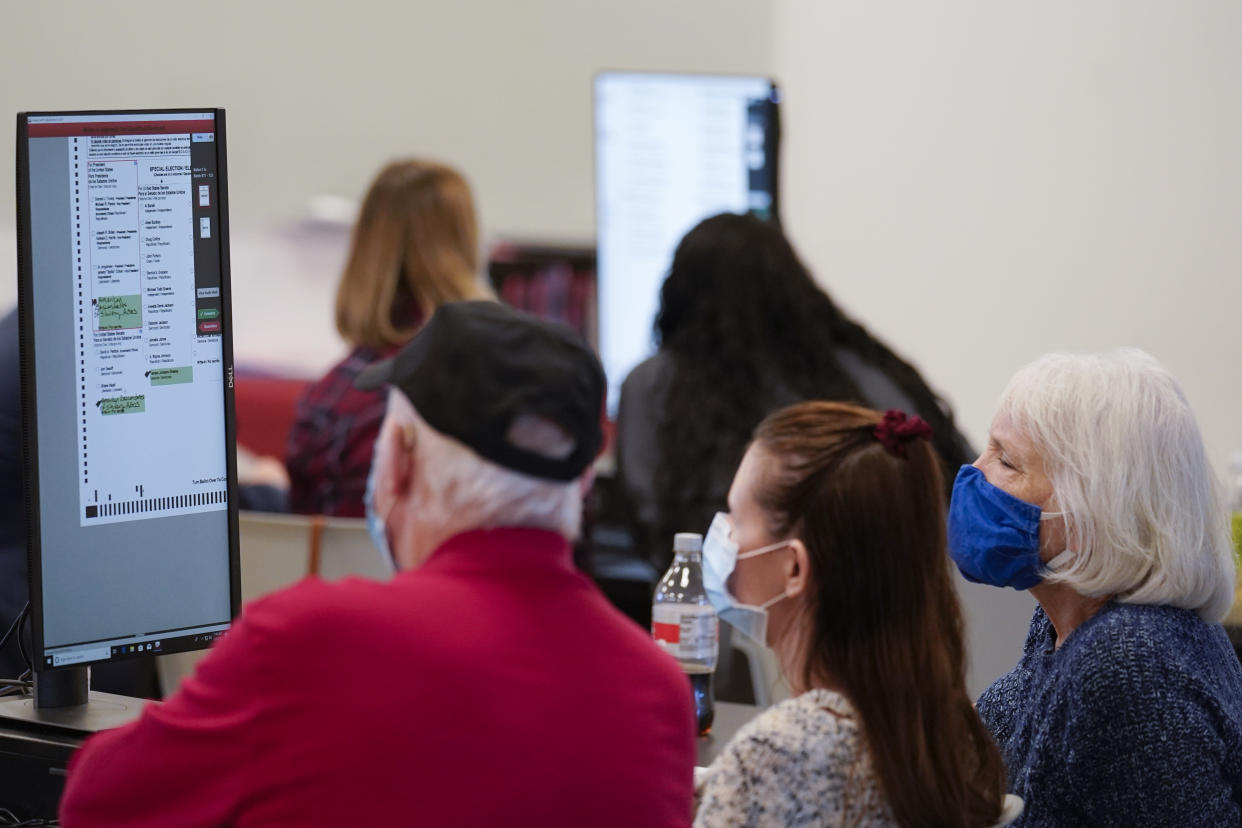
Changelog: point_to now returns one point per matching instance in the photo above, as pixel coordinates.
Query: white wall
(983, 182)
(320, 94)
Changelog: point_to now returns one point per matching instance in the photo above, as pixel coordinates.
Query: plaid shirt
(328, 453)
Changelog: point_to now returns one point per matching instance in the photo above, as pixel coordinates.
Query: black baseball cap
(474, 367)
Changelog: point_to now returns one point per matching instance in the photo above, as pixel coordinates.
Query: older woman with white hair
(1095, 493)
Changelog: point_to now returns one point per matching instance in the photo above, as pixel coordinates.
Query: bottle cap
(687, 542)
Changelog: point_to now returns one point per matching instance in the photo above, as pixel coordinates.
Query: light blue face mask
(375, 522)
(720, 556)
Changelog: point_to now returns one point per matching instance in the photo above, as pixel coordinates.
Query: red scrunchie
(898, 428)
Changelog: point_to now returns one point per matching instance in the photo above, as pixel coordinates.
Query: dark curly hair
(748, 330)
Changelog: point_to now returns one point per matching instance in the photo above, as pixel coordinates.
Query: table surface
(729, 719)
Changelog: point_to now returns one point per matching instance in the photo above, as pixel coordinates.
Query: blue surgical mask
(375, 522)
(720, 556)
(994, 536)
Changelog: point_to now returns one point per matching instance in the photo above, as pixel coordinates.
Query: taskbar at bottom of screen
(150, 645)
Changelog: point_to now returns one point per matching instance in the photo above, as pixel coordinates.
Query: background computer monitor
(127, 375)
(670, 150)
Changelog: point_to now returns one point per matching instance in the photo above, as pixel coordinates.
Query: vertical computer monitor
(127, 375)
(670, 151)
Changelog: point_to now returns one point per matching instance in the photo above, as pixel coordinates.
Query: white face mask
(720, 556)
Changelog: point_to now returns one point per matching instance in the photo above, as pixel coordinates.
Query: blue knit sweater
(1136, 720)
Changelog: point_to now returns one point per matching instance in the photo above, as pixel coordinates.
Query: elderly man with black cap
(489, 683)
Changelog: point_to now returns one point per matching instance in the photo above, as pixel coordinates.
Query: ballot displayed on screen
(123, 281)
(670, 151)
(151, 365)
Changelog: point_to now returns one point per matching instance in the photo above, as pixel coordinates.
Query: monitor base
(102, 711)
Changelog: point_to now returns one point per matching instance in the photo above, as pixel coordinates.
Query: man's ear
(396, 475)
(798, 569)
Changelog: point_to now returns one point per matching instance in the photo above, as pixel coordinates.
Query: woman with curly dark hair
(743, 330)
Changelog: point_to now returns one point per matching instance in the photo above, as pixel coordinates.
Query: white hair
(1145, 517)
(458, 488)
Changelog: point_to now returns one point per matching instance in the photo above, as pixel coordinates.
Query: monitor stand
(62, 688)
(62, 702)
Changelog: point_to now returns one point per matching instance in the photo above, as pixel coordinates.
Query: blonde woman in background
(415, 246)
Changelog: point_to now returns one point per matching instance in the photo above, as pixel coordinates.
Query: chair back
(767, 682)
(345, 549)
(276, 551)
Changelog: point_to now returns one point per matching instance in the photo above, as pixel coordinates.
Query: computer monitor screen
(670, 150)
(127, 376)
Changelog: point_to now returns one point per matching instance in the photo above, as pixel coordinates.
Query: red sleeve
(189, 761)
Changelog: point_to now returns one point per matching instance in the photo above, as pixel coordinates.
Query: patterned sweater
(800, 763)
(1135, 720)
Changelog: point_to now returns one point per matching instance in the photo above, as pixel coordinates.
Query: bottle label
(685, 631)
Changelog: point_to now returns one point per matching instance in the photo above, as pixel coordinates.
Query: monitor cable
(17, 622)
(23, 683)
(21, 639)
(8, 819)
(20, 686)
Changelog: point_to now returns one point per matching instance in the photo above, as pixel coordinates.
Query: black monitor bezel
(29, 396)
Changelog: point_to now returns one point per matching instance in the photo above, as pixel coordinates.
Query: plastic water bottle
(684, 624)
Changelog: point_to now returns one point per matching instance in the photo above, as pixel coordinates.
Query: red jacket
(493, 686)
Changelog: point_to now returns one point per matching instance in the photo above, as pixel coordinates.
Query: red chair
(265, 408)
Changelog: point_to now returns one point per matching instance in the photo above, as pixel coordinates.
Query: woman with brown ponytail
(833, 554)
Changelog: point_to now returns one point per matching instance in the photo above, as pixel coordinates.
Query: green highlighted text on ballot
(135, 404)
(171, 376)
(116, 312)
